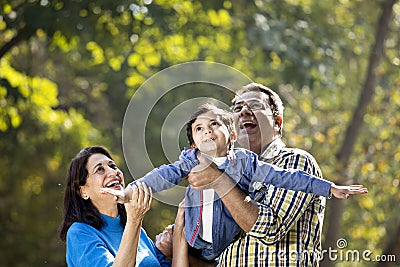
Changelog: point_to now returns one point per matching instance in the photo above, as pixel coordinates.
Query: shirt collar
(273, 149)
(113, 224)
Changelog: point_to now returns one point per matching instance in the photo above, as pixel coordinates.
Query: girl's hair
(76, 209)
(226, 118)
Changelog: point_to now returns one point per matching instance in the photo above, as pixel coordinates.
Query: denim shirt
(250, 175)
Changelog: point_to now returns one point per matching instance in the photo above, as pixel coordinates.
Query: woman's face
(102, 172)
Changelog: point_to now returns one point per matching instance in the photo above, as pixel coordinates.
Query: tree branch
(13, 42)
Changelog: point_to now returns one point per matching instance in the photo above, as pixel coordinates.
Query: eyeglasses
(250, 105)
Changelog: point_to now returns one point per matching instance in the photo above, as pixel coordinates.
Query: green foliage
(69, 68)
(33, 165)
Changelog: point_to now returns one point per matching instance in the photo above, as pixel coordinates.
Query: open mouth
(116, 184)
(248, 125)
(208, 140)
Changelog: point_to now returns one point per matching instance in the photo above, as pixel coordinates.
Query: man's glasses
(250, 105)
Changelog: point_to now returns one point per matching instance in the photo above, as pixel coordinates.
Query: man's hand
(345, 191)
(164, 242)
(205, 175)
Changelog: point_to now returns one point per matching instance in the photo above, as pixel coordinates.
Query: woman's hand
(140, 202)
(136, 208)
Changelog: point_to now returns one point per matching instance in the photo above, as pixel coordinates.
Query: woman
(97, 230)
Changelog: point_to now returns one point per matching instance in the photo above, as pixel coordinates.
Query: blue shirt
(249, 174)
(87, 246)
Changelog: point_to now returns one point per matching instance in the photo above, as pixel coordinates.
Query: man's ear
(278, 122)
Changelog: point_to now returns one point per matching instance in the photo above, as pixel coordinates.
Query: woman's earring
(85, 197)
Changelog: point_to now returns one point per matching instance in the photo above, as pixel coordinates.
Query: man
(281, 228)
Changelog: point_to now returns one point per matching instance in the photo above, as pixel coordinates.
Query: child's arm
(300, 181)
(161, 178)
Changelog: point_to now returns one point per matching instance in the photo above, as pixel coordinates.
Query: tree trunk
(336, 206)
(392, 250)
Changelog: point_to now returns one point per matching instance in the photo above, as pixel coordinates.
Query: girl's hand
(345, 191)
(120, 196)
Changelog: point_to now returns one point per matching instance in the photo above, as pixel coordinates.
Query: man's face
(254, 121)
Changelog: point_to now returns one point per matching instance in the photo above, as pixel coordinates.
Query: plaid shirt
(289, 226)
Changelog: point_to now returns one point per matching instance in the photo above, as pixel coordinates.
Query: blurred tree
(69, 68)
(33, 138)
(356, 123)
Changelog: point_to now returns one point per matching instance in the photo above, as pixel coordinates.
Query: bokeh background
(68, 69)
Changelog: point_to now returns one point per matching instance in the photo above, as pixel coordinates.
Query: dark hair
(76, 209)
(226, 118)
(274, 101)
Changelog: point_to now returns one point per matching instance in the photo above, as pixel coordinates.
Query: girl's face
(102, 172)
(210, 135)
